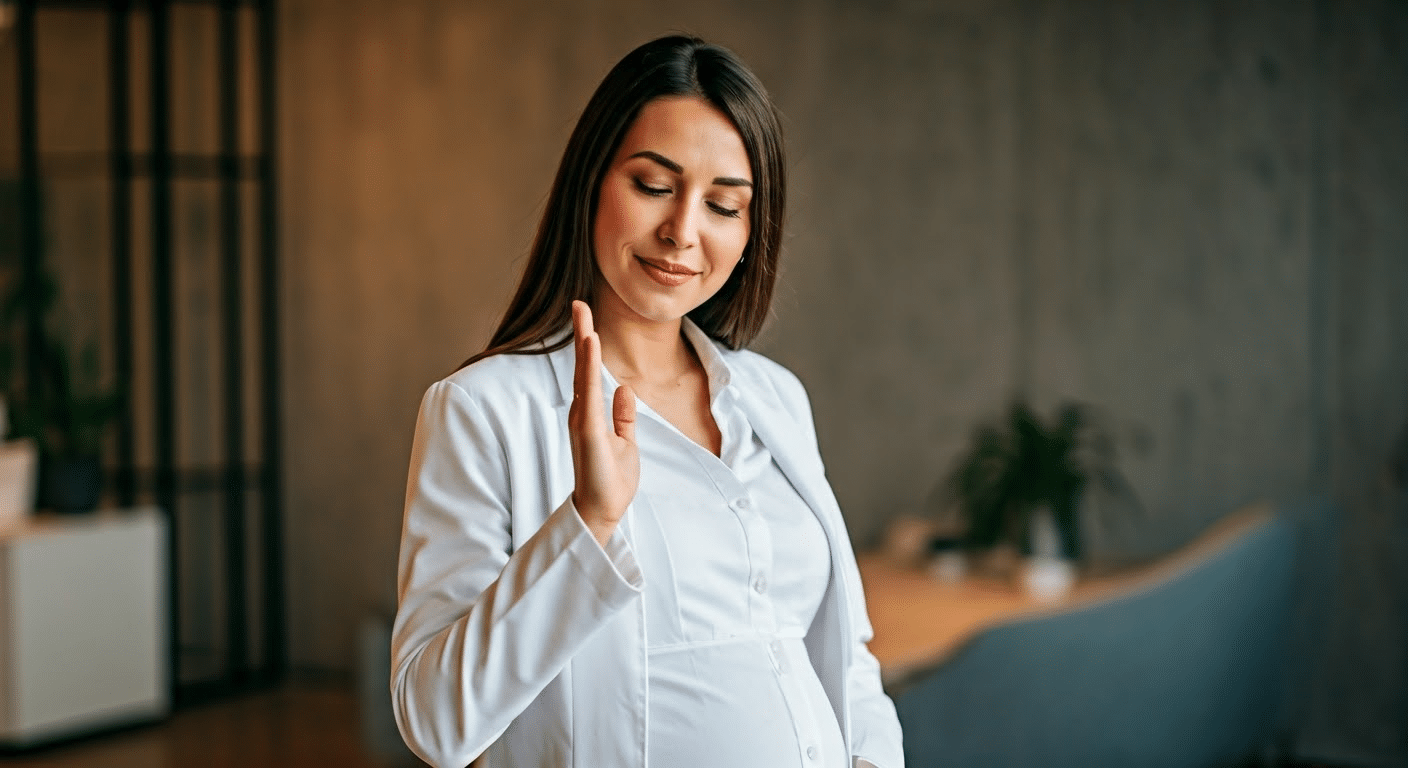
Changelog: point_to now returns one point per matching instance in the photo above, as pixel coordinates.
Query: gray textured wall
(1190, 214)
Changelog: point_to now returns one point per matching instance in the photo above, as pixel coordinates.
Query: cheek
(732, 250)
(737, 243)
(605, 222)
(615, 219)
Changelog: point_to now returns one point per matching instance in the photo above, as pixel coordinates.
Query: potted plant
(1016, 473)
(55, 399)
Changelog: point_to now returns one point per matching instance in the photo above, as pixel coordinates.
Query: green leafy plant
(54, 392)
(1018, 467)
(70, 414)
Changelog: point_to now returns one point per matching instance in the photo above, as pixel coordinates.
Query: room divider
(171, 207)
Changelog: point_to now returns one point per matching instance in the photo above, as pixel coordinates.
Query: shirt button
(741, 504)
(811, 753)
(761, 585)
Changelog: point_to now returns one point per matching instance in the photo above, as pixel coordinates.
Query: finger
(591, 401)
(623, 413)
(586, 376)
(582, 319)
(581, 330)
(587, 379)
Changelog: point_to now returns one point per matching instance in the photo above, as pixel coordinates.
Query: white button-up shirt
(741, 566)
(521, 641)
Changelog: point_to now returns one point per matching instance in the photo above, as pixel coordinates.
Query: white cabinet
(83, 624)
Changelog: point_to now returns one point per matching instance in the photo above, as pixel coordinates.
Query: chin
(660, 311)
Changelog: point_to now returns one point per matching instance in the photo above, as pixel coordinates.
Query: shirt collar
(715, 367)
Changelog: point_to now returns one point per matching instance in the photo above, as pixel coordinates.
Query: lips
(666, 273)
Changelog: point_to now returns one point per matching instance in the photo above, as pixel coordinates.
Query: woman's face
(672, 213)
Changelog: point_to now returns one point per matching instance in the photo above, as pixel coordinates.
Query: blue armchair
(1184, 669)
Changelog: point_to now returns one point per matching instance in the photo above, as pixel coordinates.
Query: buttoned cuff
(609, 567)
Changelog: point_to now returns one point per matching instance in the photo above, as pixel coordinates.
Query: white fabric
(741, 569)
(519, 637)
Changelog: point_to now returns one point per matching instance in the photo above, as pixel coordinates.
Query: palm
(605, 459)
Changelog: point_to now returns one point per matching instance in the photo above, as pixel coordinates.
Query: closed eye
(652, 191)
(732, 213)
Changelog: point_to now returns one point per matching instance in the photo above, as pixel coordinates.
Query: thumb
(623, 413)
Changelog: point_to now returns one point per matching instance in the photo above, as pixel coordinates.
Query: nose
(681, 228)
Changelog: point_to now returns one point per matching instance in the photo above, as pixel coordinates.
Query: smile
(666, 273)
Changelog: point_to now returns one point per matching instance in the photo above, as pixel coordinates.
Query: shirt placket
(723, 472)
(762, 608)
(761, 616)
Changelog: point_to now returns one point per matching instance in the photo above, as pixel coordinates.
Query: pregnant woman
(620, 548)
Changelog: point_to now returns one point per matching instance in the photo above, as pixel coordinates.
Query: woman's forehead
(689, 132)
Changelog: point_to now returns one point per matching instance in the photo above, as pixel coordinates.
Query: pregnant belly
(747, 703)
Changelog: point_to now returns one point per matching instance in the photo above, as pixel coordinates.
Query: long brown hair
(561, 266)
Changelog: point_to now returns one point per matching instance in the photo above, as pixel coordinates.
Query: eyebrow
(726, 181)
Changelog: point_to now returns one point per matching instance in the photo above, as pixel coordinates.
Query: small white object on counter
(19, 471)
(1048, 578)
(949, 567)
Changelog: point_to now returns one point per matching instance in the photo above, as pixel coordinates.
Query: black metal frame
(167, 481)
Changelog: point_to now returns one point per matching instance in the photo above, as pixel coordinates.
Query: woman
(670, 584)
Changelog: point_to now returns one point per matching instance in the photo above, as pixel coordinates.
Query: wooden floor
(298, 726)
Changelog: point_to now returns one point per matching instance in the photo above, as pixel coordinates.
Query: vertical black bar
(236, 607)
(275, 646)
(31, 217)
(163, 307)
(120, 156)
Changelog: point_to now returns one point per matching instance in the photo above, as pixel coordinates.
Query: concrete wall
(1187, 214)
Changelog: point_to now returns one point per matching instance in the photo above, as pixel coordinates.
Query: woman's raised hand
(605, 460)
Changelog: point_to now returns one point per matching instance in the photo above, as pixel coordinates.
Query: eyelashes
(721, 210)
(652, 191)
(732, 213)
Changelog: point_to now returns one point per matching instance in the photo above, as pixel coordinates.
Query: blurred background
(1192, 216)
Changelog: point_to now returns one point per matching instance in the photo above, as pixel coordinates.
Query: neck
(644, 352)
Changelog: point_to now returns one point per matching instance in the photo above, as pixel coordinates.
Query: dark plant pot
(70, 484)
(1068, 526)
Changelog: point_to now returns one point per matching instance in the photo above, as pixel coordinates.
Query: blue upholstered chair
(1184, 668)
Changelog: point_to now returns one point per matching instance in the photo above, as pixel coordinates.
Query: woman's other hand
(605, 460)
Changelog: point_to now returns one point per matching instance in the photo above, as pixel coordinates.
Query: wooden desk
(919, 620)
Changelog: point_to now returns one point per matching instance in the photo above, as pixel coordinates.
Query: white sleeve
(479, 632)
